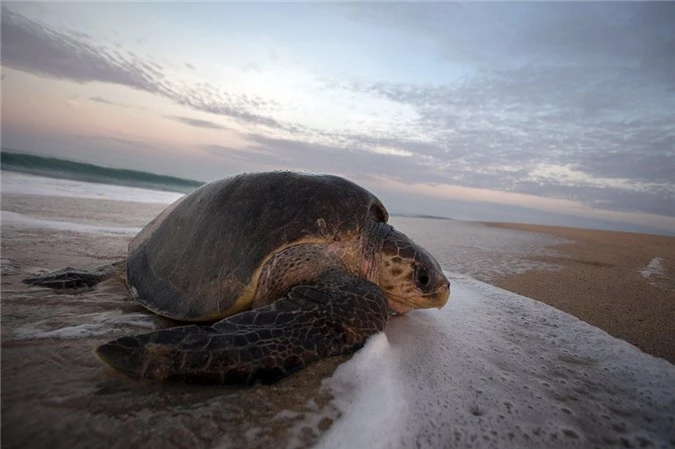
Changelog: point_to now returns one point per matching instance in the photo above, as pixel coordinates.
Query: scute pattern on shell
(196, 260)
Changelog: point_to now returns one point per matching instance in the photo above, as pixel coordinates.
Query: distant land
(435, 217)
(78, 171)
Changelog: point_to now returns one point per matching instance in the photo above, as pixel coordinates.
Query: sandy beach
(600, 281)
(55, 393)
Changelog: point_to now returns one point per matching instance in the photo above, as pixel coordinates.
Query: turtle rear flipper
(333, 317)
(72, 278)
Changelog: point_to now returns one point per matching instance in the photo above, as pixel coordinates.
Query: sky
(552, 113)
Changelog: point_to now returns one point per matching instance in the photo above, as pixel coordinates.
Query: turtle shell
(199, 259)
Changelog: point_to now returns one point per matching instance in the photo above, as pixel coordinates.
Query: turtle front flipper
(72, 278)
(335, 316)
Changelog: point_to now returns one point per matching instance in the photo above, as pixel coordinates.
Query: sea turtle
(290, 267)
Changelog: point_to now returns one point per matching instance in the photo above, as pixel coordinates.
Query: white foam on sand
(23, 221)
(22, 184)
(495, 369)
(655, 268)
(63, 333)
(91, 325)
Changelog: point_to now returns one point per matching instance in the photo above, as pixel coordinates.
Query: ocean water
(491, 369)
(468, 248)
(25, 184)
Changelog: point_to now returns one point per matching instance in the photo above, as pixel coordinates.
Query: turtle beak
(442, 295)
(435, 299)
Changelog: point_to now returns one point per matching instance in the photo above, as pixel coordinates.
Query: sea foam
(23, 184)
(655, 268)
(21, 220)
(87, 325)
(495, 369)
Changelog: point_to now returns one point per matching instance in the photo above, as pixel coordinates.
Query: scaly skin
(335, 316)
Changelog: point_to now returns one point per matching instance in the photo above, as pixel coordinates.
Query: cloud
(527, 106)
(103, 100)
(198, 123)
(252, 156)
(131, 143)
(613, 126)
(351, 158)
(211, 99)
(607, 136)
(36, 48)
(504, 35)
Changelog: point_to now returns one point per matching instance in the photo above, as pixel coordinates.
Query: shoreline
(600, 280)
(56, 393)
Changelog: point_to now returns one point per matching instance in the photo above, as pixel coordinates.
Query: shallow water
(478, 250)
(24, 184)
(468, 248)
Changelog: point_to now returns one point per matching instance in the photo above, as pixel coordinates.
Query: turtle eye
(422, 277)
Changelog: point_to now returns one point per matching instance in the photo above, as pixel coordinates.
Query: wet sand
(599, 280)
(57, 394)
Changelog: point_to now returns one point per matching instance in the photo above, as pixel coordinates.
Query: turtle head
(409, 276)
